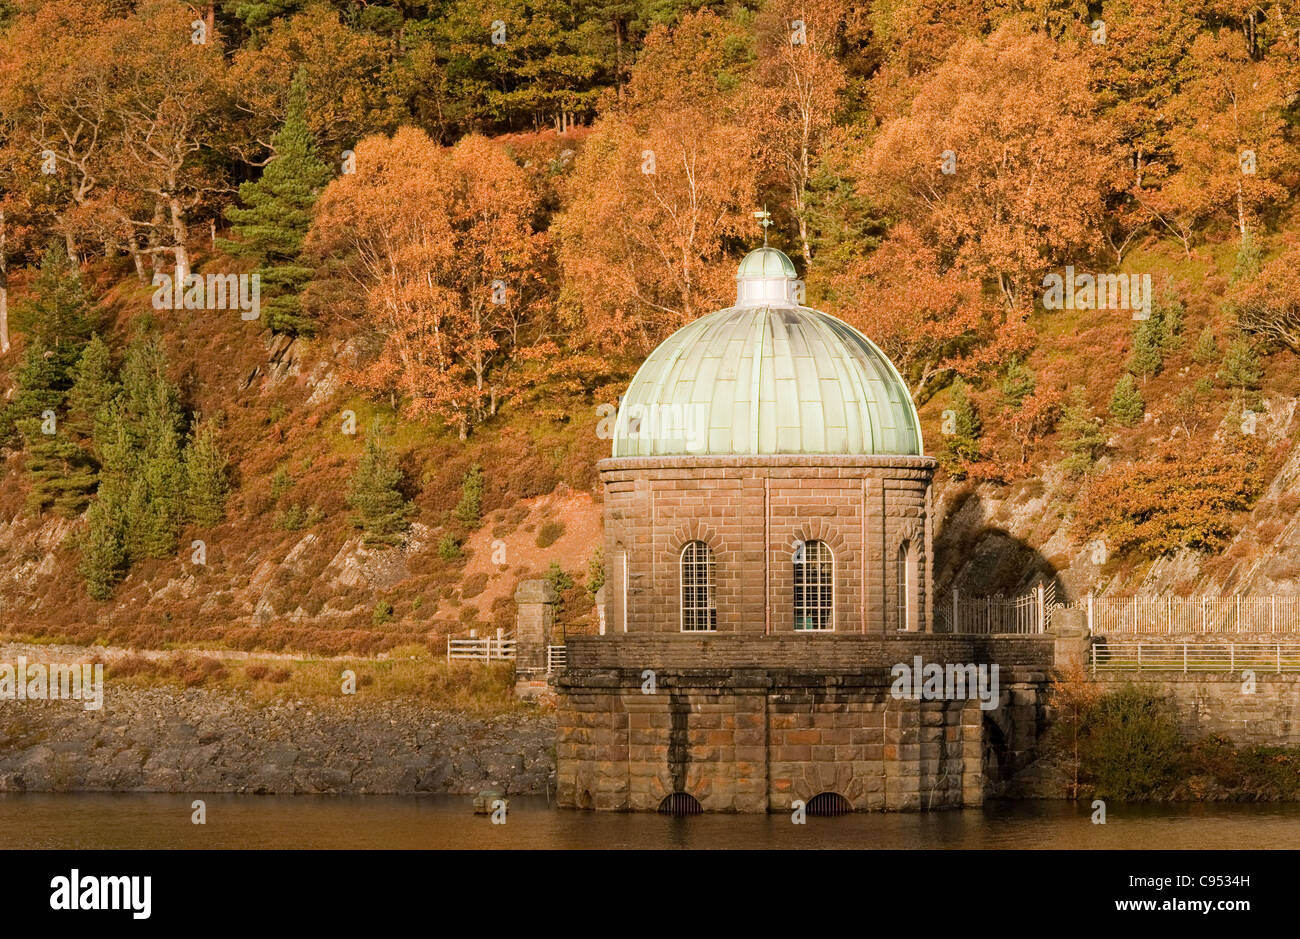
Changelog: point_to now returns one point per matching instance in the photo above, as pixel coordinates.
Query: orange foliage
(435, 237)
(1179, 498)
(661, 187)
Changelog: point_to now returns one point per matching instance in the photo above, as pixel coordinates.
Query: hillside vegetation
(468, 223)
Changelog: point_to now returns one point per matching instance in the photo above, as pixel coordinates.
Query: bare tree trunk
(4, 288)
(1241, 211)
(178, 239)
(137, 258)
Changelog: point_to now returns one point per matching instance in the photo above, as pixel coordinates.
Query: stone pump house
(767, 477)
(768, 532)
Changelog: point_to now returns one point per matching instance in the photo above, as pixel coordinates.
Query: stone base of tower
(641, 719)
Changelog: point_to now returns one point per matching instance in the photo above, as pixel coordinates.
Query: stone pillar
(535, 602)
(1070, 628)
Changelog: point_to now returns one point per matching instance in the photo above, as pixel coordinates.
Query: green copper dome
(767, 376)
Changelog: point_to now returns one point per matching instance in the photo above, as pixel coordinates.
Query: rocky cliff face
(169, 740)
(1005, 538)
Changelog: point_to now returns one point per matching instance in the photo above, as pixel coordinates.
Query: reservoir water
(111, 820)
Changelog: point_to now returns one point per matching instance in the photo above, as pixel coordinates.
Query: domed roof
(767, 376)
(766, 262)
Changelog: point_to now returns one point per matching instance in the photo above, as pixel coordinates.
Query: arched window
(814, 586)
(699, 603)
(903, 576)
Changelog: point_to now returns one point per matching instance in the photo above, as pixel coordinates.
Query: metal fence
(1181, 616)
(1131, 654)
(556, 658)
(1031, 613)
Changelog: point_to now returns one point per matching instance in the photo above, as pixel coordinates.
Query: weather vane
(765, 219)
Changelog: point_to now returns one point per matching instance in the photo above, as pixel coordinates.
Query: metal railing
(1136, 654)
(1027, 614)
(556, 658)
(1182, 616)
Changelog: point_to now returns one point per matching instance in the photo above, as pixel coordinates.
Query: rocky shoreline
(165, 739)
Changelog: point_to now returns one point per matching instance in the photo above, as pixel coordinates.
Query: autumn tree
(349, 83)
(1268, 306)
(1178, 498)
(1007, 192)
(1228, 151)
(795, 91)
(926, 318)
(663, 188)
(169, 102)
(440, 245)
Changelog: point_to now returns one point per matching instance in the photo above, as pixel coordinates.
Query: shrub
(549, 533)
(448, 547)
(1131, 746)
(382, 613)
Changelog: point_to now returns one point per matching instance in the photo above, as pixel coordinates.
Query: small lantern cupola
(766, 278)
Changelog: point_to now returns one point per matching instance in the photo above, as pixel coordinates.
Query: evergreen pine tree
(277, 214)
(1081, 437)
(1169, 315)
(1241, 370)
(962, 445)
(103, 557)
(470, 507)
(1017, 384)
(61, 472)
(1126, 403)
(206, 470)
(58, 312)
(93, 387)
(1207, 347)
(1148, 348)
(376, 497)
(40, 384)
(141, 453)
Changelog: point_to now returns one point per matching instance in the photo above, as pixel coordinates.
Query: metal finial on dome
(765, 219)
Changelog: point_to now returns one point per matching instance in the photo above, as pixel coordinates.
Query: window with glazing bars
(903, 579)
(814, 586)
(699, 602)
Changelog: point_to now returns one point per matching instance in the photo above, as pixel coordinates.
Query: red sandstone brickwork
(752, 511)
